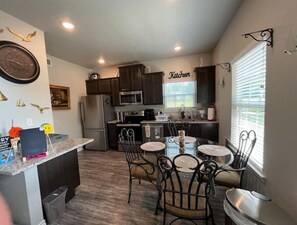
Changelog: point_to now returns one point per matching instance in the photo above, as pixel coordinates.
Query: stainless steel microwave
(130, 97)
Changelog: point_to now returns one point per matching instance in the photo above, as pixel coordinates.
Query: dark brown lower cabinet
(112, 136)
(60, 171)
(208, 131)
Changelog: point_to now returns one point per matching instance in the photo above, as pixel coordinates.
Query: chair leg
(158, 201)
(164, 216)
(130, 187)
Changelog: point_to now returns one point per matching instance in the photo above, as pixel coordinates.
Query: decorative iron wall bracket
(267, 35)
(225, 66)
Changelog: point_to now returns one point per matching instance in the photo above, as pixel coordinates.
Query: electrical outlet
(29, 122)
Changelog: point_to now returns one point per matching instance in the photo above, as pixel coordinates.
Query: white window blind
(248, 99)
(180, 93)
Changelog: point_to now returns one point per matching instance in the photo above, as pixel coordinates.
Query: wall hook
(289, 52)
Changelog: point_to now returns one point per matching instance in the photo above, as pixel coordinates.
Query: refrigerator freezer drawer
(100, 139)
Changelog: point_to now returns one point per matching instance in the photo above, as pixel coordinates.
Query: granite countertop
(59, 148)
(190, 121)
(113, 121)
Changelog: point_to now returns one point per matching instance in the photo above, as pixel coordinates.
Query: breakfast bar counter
(25, 184)
(59, 148)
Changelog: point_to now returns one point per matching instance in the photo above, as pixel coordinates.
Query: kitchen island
(25, 184)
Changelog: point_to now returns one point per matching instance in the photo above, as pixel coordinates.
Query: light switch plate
(29, 122)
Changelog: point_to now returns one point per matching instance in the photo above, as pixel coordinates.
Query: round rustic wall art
(17, 64)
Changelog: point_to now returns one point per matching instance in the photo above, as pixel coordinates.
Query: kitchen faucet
(182, 111)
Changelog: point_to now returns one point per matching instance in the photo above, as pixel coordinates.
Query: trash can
(54, 204)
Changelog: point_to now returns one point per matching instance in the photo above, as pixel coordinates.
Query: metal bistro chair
(175, 126)
(232, 175)
(185, 193)
(139, 167)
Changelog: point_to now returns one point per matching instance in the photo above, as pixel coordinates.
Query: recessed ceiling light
(101, 61)
(68, 26)
(177, 48)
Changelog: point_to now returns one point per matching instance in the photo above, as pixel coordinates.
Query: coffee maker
(149, 114)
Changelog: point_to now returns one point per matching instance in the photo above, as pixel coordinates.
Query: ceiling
(125, 31)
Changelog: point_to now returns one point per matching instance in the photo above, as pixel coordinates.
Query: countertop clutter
(190, 121)
(158, 122)
(59, 148)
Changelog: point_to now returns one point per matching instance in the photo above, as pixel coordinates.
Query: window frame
(260, 134)
(194, 95)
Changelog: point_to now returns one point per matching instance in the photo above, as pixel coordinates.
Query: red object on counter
(14, 132)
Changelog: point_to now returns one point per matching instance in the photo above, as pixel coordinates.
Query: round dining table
(170, 146)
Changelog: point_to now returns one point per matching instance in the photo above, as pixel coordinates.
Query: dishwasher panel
(152, 132)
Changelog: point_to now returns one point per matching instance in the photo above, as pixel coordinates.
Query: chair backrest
(172, 128)
(127, 141)
(175, 126)
(186, 186)
(246, 144)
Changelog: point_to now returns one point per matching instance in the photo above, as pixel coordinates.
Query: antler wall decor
(27, 39)
(40, 108)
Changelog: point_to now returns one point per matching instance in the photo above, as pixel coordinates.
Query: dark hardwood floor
(102, 197)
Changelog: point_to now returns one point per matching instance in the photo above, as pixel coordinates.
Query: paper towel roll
(210, 114)
(147, 131)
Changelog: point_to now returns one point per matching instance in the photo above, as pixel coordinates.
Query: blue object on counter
(6, 156)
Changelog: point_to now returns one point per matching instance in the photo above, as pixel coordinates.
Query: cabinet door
(210, 131)
(158, 88)
(115, 99)
(148, 95)
(112, 136)
(104, 86)
(195, 130)
(124, 78)
(135, 77)
(166, 130)
(205, 84)
(71, 170)
(57, 172)
(92, 87)
(152, 88)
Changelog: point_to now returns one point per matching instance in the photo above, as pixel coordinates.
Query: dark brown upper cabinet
(206, 89)
(130, 77)
(152, 88)
(92, 87)
(115, 98)
(98, 87)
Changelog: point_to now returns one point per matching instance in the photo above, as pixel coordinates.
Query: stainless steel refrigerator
(96, 111)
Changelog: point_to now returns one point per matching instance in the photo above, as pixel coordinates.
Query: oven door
(136, 127)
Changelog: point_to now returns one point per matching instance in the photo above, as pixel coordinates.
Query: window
(248, 99)
(180, 93)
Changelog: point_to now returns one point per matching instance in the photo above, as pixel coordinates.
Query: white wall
(67, 74)
(177, 64)
(280, 119)
(36, 92)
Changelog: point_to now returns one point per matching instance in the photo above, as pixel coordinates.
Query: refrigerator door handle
(82, 112)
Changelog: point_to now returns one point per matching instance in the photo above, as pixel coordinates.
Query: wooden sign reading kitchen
(174, 74)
